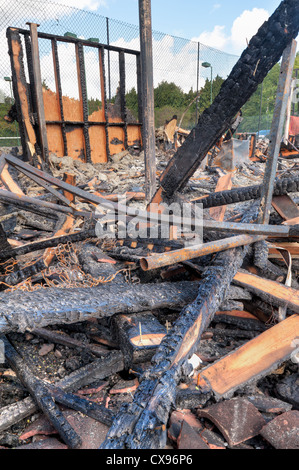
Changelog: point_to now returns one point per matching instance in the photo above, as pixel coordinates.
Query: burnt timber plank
(251, 361)
(97, 370)
(269, 290)
(285, 207)
(262, 53)
(143, 424)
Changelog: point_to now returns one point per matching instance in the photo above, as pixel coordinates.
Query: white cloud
(216, 38)
(246, 26)
(243, 28)
(215, 7)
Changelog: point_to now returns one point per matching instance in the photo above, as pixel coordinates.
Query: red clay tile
(190, 439)
(283, 431)
(237, 419)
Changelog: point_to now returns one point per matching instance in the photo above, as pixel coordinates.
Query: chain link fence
(183, 69)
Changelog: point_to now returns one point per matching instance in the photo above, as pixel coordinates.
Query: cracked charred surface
(142, 424)
(223, 198)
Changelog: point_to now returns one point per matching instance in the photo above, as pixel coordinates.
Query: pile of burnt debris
(122, 326)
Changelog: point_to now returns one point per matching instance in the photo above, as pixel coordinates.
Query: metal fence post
(147, 97)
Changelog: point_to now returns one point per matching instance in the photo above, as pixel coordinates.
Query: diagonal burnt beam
(142, 425)
(263, 52)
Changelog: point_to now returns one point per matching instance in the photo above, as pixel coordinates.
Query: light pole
(207, 65)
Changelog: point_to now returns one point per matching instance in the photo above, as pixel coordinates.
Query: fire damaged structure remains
(164, 336)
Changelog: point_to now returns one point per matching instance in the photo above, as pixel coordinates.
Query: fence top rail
(70, 39)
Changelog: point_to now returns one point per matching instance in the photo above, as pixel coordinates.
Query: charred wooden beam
(6, 251)
(276, 134)
(58, 337)
(40, 393)
(42, 131)
(49, 243)
(250, 362)
(147, 83)
(262, 53)
(21, 311)
(97, 370)
(138, 336)
(28, 310)
(143, 424)
(281, 187)
(270, 291)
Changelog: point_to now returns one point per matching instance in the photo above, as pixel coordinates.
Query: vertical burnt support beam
(123, 109)
(21, 92)
(283, 92)
(32, 98)
(139, 88)
(38, 92)
(59, 92)
(197, 78)
(83, 97)
(104, 97)
(109, 64)
(148, 121)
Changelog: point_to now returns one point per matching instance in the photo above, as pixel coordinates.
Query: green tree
(169, 94)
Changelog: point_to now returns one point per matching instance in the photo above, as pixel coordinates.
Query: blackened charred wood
(9, 198)
(138, 336)
(35, 221)
(62, 338)
(97, 370)
(87, 407)
(21, 311)
(233, 196)
(6, 250)
(89, 256)
(263, 52)
(21, 275)
(51, 242)
(142, 424)
(40, 393)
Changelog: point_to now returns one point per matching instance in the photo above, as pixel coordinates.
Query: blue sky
(225, 25)
(192, 19)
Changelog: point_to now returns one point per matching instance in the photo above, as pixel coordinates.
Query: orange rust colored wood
(51, 105)
(285, 207)
(294, 221)
(22, 91)
(274, 289)
(224, 183)
(76, 144)
(97, 137)
(49, 253)
(70, 179)
(55, 139)
(255, 359)
(238, 314)
(292, 248)
(147, 339)
(116, 138)
(9, 182)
